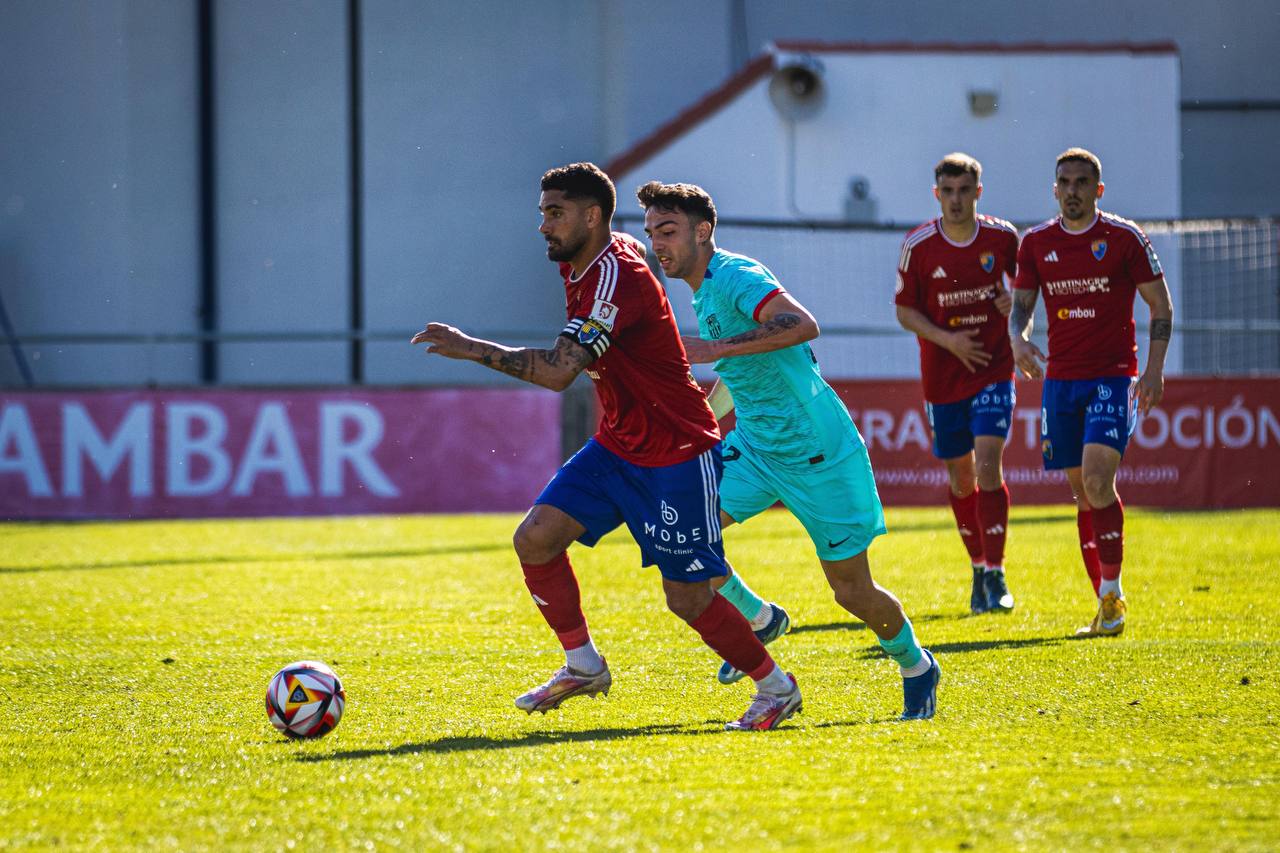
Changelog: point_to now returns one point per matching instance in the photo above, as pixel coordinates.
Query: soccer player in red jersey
(1089, 264)
(654, 464)
(951, 293)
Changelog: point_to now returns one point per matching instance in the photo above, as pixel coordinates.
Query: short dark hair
(956, 164)
(688, 198)
(583, 180)
(1080, 155)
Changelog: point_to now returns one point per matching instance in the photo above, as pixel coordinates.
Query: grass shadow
(948, 523)
(853, 625)
(482, 743)
(944, 522)
(959, 648)
(267, 558)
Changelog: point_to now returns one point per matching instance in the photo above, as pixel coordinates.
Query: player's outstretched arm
(1026, 355)
(554, 368)
(783, 323)
(962, 344)
(1150, 388)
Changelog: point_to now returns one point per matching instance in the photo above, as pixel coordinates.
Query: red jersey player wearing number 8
(1089, 265)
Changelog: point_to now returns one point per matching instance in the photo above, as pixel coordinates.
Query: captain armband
(588, 333)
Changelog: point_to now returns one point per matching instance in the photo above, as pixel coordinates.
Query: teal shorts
(836, 501)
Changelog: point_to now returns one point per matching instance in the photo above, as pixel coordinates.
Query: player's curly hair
(1080, 155)
(583, 180)
(688, 198)
(956, 164)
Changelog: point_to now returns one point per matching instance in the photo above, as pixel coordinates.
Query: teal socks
(904, 648)
(742, 597)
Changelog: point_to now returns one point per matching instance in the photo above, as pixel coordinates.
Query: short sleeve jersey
(784, 408)
(1088, 280)
(653, 413)
(955, 286)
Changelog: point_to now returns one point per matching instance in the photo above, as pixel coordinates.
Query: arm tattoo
(1024, 307)
(523, 363)
(769, 328)
(568, 353)
(1161, 329)
(511, 362)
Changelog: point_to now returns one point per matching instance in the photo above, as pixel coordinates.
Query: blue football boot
(978, 595)
(920, 694)
(998, 596)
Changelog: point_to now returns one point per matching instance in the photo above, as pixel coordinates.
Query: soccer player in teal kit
(1090, 265)
(653, 465)
(794, 441)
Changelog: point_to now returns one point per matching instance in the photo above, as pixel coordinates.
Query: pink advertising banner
(1211, 443)
(168, 454)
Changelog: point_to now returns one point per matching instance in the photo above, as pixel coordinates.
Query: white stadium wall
(888, 117)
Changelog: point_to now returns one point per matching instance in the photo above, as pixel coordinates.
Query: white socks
(776, 682)
(762, 618)
(585, 659)
(922, 666)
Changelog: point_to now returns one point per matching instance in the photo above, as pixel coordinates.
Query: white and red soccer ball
(305, 699)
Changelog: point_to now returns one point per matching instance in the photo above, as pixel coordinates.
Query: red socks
(1108, 532)
(1088, 550)
(983, 521)
(729, 634)
(993, 515)
(555, 590)
(966, 512)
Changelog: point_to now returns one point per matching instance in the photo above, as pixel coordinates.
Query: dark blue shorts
(1076, 412)
(989, 412)
(673, 512)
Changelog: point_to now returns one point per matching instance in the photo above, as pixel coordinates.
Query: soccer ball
(305, 699)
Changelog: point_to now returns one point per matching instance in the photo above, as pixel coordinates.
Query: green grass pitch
(133, 660)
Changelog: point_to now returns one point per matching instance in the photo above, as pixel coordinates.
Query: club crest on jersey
(713, 325)
(988, 261)
(1046, 449)
(1099, 249)
(605, 312)
(590, 332)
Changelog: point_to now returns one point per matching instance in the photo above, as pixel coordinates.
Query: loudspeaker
(797, 89)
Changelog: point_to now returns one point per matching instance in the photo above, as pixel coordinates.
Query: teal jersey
(785, 409)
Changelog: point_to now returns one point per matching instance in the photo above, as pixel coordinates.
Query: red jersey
(955, 286)
(654, 413)
(1088, 280)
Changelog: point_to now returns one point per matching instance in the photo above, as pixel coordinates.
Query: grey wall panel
(1227, 47)
(282, 178)
(465, 106)
(98, 185)
(1228, 163)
